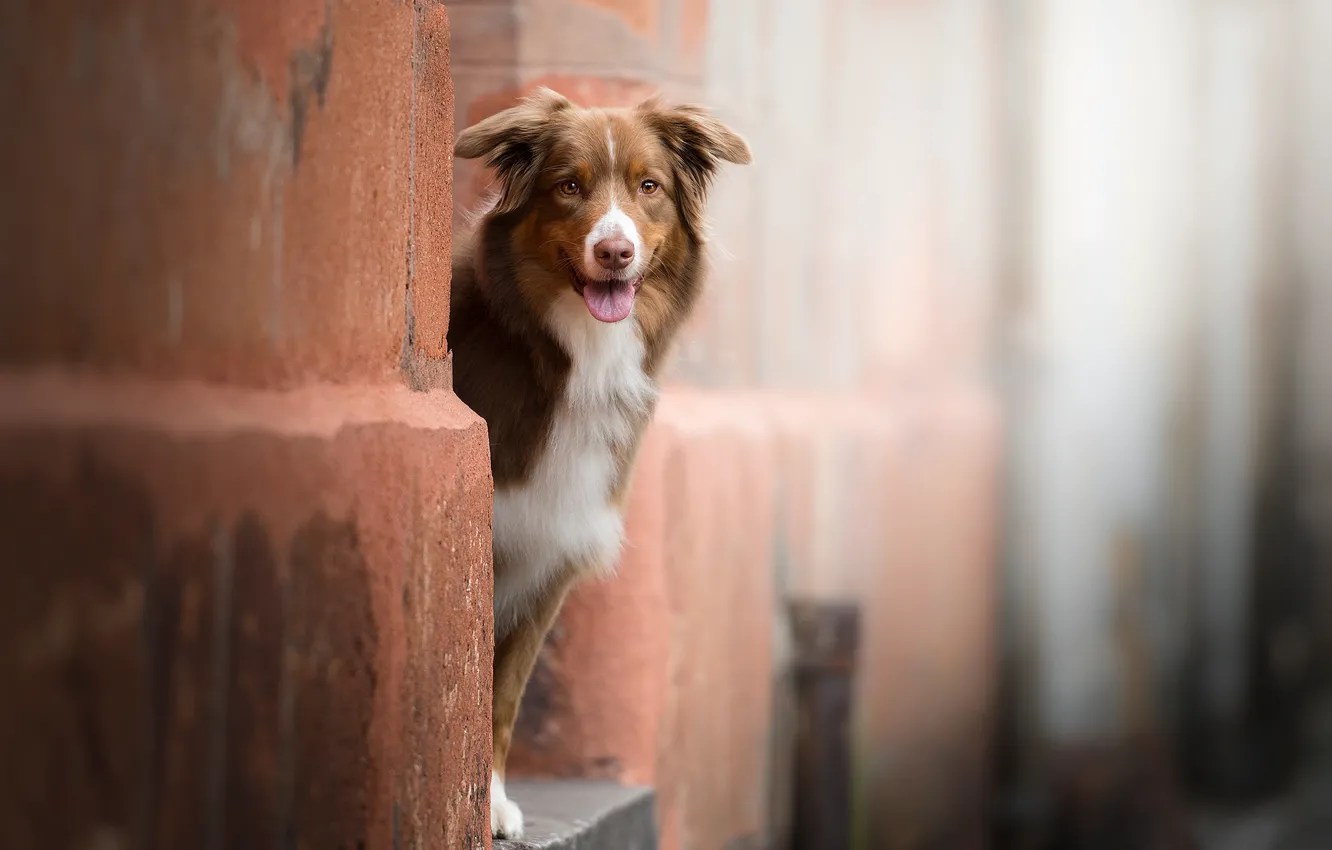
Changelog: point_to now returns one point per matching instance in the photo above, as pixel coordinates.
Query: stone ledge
(583, 815)
(62, 398)
(208, 570)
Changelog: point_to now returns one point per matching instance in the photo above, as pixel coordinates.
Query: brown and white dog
(565, 299)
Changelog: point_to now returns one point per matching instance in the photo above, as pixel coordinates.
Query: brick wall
(248, 580)
(253, 518)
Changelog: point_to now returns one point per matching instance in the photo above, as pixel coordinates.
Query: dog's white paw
(506, 819)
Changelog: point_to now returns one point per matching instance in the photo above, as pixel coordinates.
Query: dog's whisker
(565, 242)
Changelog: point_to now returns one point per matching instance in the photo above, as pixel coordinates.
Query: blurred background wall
(1166, 536)
(1025, 298)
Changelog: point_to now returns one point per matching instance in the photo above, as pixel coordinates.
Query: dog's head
(605, 201)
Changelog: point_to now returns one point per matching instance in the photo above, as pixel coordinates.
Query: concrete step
(583, 815)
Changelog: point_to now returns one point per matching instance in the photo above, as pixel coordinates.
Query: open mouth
(607, 299)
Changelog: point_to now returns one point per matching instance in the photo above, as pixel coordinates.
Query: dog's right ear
(698, 143)
(514, 142)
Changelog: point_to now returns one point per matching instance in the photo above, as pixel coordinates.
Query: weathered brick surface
(261, 620)
(430, 248)
(662, 674)
(249, 570)
(220, 191)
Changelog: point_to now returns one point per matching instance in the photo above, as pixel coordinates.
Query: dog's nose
(614, 254)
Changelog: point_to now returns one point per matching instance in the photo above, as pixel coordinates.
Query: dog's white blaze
(614, 224)
(506, 819)
(610, 145)
(561, 514)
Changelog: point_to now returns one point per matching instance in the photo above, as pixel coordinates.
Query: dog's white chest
(561, 514)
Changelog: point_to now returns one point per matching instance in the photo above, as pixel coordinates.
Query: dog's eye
(569, 187)
(649, 187)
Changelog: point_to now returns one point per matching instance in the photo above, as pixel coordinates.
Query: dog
(566, 296)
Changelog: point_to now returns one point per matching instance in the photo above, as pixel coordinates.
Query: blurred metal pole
(827, 639)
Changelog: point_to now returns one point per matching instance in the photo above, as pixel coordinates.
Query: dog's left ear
(514, 143)
(698, 143)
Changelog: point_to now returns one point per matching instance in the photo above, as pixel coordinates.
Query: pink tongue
(609, 300)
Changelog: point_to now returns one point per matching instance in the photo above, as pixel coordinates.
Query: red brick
(640, 39)
(663, 674)
(431, 246)
(892, 501)
(486, 35)
(533, 39)
(619, 34)
(266, 31)
(254, 720)
(720, 486)
(346, 204)
(210, 572)
(230, 200)
(642, 16)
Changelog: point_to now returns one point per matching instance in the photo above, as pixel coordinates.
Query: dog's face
(605, 200)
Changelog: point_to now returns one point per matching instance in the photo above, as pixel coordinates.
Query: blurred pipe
(1233, 179)
(827, 641)
(1241, 739)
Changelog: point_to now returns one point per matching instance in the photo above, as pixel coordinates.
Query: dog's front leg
(515, 656)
